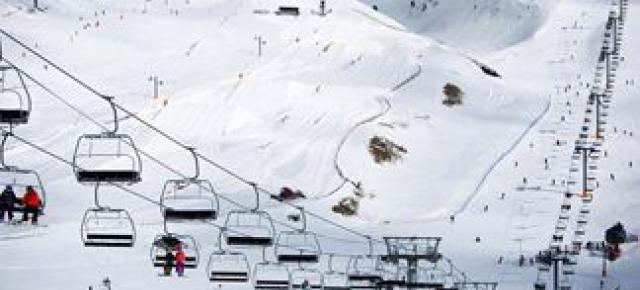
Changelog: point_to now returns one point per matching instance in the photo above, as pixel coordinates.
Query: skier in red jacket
(32, 205)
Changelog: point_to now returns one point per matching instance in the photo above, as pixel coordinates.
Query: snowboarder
(7, 201)
(486, 208)
(503, 195)
(169, 259)
(181, 258)
(452, 218)
(32, 205)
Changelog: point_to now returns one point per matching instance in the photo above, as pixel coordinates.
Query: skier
(305, 285)
(181, 258)
(7, 201)
(32, 205)
(169, 259)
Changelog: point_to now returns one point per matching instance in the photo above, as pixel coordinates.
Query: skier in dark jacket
(169, 261)
(7, 202)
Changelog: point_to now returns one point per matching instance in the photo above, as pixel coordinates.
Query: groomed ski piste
(301, 113)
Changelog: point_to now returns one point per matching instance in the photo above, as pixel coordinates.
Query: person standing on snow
(181, 258)
(7, 201)
(32, 205)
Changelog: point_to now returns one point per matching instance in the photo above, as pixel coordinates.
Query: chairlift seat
(184, 214)
(228, 267)
(14, 116)
(271, 276)
(119, 176)
(228, 277)
(249, 241)
(190, 261)
(300, 258)
(365, 277)
(189, 200)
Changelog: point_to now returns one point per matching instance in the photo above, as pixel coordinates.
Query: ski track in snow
(502, 157)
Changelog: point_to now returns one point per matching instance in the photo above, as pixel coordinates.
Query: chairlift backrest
(249, 228)
(190, 199)
(297, 247)
(364, 270)
(314, 277)
(228, 267)
(107, 158)
(15, 100)
(267, 275)
(106, 227)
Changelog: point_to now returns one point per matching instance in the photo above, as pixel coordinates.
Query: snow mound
(478, 25)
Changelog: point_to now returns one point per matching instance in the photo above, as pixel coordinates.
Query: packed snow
(302, 111)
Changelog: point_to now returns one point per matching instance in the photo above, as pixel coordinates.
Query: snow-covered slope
(302, 114)
(477, 25)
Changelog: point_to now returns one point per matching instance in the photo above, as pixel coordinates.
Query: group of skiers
(30, 201)
(178, 260)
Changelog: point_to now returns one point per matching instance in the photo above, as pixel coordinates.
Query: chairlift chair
(19, 179)
(189, 199)
(107, 157)
(314, 277)
(170, 241)
(364, 272)
(298, 246)
(249, 228)
(15, 101)
(392, 276)
(335, 280)
(107, 227)
(228, 267)
(271, 275)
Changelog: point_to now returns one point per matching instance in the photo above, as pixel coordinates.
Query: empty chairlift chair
(163, 243)
(228, 267)
(391, 276)
(107, 157)
(298, 246)
(271, 275)
(107, 227)
(335, 280)
(189, 199)
(15, 100)
(364, 272)
(314, 277)
(249, 228)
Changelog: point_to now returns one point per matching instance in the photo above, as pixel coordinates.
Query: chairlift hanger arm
(196, 163)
